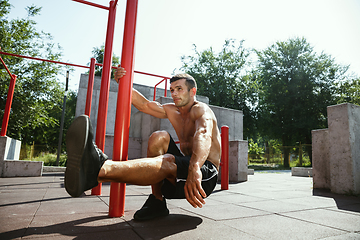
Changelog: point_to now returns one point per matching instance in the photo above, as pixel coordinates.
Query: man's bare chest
(185, 128)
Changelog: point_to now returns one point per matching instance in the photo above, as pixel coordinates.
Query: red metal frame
(44, 60)
(123, 108)
(165, 79)
(90, 87)
(92, 4)
(8, 100)
(123, 112)
(224, 158)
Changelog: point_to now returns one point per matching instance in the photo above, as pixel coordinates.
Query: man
(190, 173)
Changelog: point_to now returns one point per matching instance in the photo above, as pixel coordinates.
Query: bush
(49, 159)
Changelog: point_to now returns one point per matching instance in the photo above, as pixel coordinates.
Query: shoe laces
(102, 155)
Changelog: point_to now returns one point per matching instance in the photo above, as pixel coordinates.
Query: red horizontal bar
(6, 67)
(45, 60)
(92, 4)
(75, 65)
(153, 75)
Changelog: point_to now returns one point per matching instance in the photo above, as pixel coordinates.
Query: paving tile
(14, 226)
(73, 224)
(25, 208)
(261, 208)
(325, 217)
(237, 198)
(279, 227)
(72, 205)
(117, 234)
(275, 206)
(225, 211)
(184, 225)
(346, 236)
(351, 209)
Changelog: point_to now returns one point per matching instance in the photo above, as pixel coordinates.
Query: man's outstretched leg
(86, 166)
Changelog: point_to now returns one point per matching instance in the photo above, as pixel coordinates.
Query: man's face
(180, 93)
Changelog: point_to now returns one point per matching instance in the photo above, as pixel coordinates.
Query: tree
(223, 78)
(38, 94)
(98, 54)
(349, 91)
(297, 86)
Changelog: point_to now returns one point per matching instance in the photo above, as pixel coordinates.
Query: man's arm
(194, 193)
(140, 102)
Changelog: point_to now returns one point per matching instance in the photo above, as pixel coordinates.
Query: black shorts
(208, 170)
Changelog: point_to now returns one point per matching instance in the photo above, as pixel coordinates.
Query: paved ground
(267, 206)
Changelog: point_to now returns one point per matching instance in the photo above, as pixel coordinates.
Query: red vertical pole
(90, 87)
(224, 158)
(123, 108)
(105, 86)
(8, 105)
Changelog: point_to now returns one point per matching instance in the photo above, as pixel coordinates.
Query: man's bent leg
(158, 145)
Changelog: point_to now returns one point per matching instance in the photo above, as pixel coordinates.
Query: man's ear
(193, 91)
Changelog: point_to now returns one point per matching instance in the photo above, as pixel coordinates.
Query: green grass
(49, 159)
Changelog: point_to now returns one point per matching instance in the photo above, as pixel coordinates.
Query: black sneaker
(151, 209)
(84, 159)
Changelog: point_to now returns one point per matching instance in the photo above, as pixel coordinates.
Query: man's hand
(120, 72)
(194, 193)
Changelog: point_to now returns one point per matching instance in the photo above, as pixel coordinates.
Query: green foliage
(254, 150)
(224, 79)
(50, 159)
(297, 86)
(98, 54)
(38, 96)
(349, 91)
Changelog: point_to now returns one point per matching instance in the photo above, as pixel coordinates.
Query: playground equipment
(123, 111)
(8, 101)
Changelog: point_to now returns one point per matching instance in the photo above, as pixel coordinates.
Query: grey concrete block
(301, 172)
(344, 141)
(53, 169)
(238, 161)
(9, 150)
(321, 158)
(20, 168)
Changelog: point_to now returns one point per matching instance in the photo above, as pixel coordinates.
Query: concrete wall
(336, 151)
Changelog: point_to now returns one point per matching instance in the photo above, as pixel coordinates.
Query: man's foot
(152, 208)
(84, 158)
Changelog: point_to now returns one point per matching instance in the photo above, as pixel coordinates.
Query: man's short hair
(190, 81)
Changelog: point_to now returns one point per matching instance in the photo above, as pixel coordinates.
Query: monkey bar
(123, 110)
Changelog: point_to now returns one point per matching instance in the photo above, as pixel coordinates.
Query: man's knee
(159, 138)
(170, 164)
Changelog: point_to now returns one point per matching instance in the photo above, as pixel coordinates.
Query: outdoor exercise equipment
(224, 158)
(123, 110)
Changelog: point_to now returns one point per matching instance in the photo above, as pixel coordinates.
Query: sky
(168, 29)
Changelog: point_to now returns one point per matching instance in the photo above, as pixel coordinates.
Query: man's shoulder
(169, 107)
(200, 108)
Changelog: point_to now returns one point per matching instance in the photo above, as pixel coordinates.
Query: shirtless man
(190, 173)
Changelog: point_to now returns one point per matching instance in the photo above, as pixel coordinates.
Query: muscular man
(190, 172)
